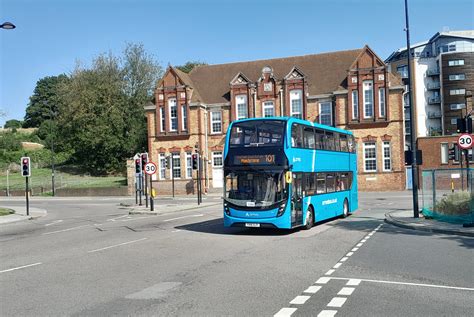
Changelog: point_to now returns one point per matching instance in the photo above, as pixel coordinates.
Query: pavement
(20, 214)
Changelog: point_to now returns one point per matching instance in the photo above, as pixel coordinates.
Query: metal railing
(434, 100)
(433, 72)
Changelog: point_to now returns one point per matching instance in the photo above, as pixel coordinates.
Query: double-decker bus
(284, 172)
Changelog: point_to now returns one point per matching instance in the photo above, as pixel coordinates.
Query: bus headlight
(281, 210)
(226, 209)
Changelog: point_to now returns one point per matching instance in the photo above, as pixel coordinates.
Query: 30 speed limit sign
(465, 141)
(150, 168)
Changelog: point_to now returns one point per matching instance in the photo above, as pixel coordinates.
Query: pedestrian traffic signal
(452, 153)
(168, 161)
(138, 166)
(195, 158)
(144, 157)
(25, 167)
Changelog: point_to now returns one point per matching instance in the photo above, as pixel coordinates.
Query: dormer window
(241, 107)
(296, 102)
(173, 110)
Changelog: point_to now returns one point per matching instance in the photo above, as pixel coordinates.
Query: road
(88, 257)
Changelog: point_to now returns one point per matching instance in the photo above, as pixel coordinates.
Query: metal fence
(448, 194)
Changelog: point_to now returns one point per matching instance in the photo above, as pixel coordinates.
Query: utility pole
(414, 168)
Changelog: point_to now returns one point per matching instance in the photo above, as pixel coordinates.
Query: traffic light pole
(146, 191)
(140, 189)
(27, 197)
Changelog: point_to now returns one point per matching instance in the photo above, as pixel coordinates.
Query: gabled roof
(324, 72)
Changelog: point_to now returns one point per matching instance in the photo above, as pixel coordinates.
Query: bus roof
(292, 120)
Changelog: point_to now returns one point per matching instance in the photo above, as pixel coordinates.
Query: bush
(456, 204)
(39, 158)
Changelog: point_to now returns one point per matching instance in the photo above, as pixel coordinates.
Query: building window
(444, 153)
(325, 113)
(457, 77)
(189, 165)
(216, 122)
(368, 99)
(457, 91)
(457, 106)
(162, 174)
(355, 104)
(267, 87)
(184, 113)
(268, 109)
(173, 109)
(241, 106)
(162, 115)
(176, 165)
(354, 80)
(456, 62)
(403, 71)
(370, 157)
(217, 159)
(387, 156)
(382, 102)
(296, 103)
(454, 121)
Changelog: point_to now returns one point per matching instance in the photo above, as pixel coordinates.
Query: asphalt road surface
(88, 257)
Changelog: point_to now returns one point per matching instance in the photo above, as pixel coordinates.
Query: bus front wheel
(309, 218)
(345, 210)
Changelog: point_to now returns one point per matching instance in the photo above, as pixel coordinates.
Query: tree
(45, 101)
(13, 124)
(190, 65)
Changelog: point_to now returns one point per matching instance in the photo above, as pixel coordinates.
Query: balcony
(435, 131)
(434, 86)
(433, 72)
(434, 115)
(434, 100)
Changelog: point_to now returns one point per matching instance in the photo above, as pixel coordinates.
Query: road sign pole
(146, 191)
(27, 197)
(140, 190)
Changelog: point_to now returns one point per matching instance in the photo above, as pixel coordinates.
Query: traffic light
(168, 161)
(195, 158)
(452, 153)
(138, 166)
(144, 157)
(25, 167)
(464, 125)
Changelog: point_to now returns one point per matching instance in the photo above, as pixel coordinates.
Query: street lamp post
(52, 151)
(414, 168)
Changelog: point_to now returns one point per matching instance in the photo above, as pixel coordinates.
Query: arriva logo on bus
(329, 201)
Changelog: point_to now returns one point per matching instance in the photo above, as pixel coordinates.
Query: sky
(53, 35)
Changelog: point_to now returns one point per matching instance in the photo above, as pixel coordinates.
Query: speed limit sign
(465, 141)
(150, 168)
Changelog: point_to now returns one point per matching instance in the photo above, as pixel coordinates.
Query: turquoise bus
(285, 173)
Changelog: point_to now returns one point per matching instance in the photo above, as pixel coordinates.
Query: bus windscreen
(257, 133)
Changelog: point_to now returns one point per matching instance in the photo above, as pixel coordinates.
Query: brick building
(348, 89)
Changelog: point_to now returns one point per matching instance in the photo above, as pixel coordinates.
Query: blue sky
(51, 35)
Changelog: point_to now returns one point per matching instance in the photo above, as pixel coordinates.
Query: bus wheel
(345, 210)
(309, 218)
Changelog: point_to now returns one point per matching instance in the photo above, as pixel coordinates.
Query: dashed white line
(69, 229)
(20, 267)
(312, 289)
(323, 280)
(299, 300)
(344, 259)
(353, 282)
(337, 265)
(346, 291)
(183, 217)
(349, 253)
(116, 245)
(285, 312)
(359, 245)
(116, 218)
(330, 272)
(337, 302)
(327, 313)
(53, 223)
(354, 249)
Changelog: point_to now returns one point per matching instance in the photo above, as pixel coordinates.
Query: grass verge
(6, 211)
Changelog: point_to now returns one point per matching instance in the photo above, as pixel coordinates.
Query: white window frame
(173, 103)
(162, 167)
(219, 121)
(184, 117)
(385, 158)
(372, 146)
(460, 91)
(162, 118)
(382, 107)
(456, 62)
(268, 105)
(368, 86)
(444, 153)
(215, 155)
(455, 77)
(178, 168)
(457, 106)
(355, 104)
(189, 165)
(241, 102)
(296, 95)
(325, 103)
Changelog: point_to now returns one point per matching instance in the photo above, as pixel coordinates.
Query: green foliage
(190, 65)
(454, 204)
(45, 101)
(39, 158)
(13, 124)
(11, 140)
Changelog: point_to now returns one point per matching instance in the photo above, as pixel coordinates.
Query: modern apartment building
(442, 71)
(349, 89)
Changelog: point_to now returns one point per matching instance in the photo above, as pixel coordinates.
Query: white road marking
(344, 259)
(349, 253)
(337, 265)
(53, 223)
(20, 267)
(359, 244)
(285, 312)
(74, 228)
(177, 230)
(299, 300)
(354, 249)
(346, 291)
(327, 313)
(330, 272)
(183, 217)
(113, 219)
(117, 245)
(312, 289)
(337, 302)
(354, 281)
(363, 241)
(323, 280)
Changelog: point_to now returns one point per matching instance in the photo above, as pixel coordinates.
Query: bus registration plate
(252, 225)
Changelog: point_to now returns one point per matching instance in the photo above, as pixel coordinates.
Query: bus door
(297, 199)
